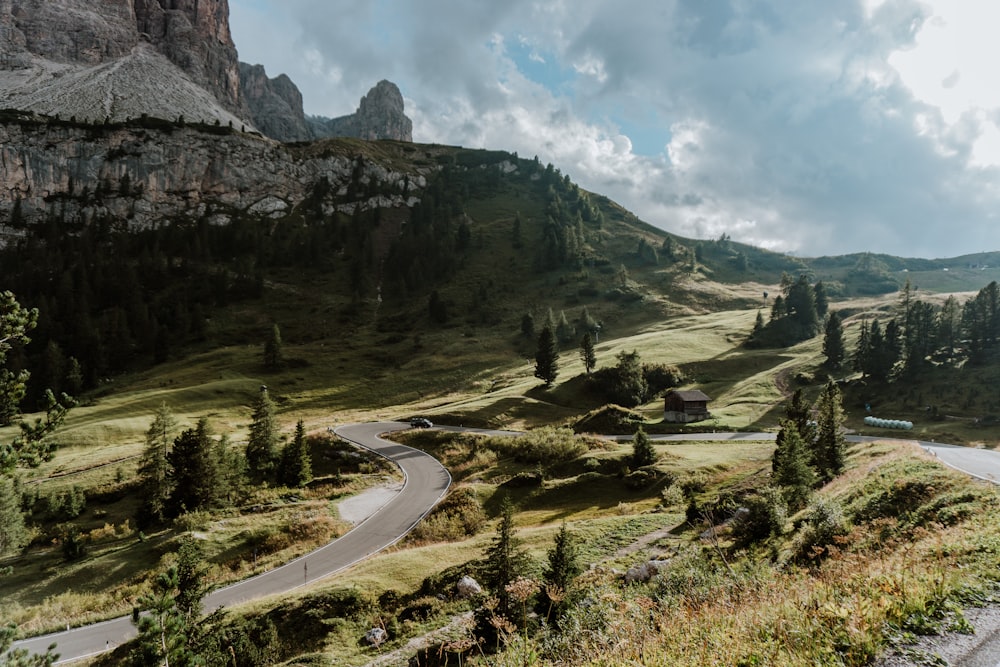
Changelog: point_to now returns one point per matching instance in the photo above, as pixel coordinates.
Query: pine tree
(790, 463)
(547, 357)
(830, 453)
(296, 465)
(163, 628)
(273, 350)
(190, 578)
(232, 464)
(262, 454)
(13, 534)
(564, 330)
(564, 560)
(195, 474)
(833, 341)
(629, 383)
(587, 353)
(643, 452)
(505, 559)
(154, 468)
(528, 326)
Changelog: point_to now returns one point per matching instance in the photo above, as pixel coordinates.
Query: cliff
(147, 172)
(379, 116)
(276, 109)
(123, 55)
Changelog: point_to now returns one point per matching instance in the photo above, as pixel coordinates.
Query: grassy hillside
(389, 314)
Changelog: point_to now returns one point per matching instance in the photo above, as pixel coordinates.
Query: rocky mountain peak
(276, 109)
(45, 44)
(379, 116)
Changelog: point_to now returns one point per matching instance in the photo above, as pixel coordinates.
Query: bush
(421, 609)
(765, 514)
(609, 419)
(642, 479)
(458, 516)
(824, 524)
(523, 480)
(660, 377)
(543, 445)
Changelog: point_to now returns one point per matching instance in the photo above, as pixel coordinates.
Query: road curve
(426, 482)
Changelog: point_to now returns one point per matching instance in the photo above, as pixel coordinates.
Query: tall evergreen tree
(296, 465)
(830, 449)
(547, 357)
(232, 464)
(273, 349)
(949, 327)
(833, 341)
(630, 387)
(190, 578)
(643, 452)
(13, 533)
(262, 452)
(587, 353)
(163, 628)
(505, 559)
(194, 471)
(821, 299)
(790, 464)
(154, 467)
(564, 560)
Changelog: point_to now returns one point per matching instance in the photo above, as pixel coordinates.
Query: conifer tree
(163, 628)
(13, 533)
(296, 465)
(643, 452)
(790, 464)
(547, 357)
(154, 467)
(273, 350)
(830, 454)
(564, 560)
(190, 578)
(505, 559)
(262, 453)
(194, 471)
(587, 353)
(833, 341)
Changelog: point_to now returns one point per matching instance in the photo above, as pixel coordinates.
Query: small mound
(609, 420)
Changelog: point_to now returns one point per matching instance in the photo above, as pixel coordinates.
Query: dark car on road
(420, 422)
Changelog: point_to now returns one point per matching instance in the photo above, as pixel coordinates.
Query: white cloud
(816, 127)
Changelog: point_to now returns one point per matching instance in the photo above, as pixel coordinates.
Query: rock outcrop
(112, 60)
(379, 116)
(276, 110)
(275, 105)
(151, 171)
(50, 49)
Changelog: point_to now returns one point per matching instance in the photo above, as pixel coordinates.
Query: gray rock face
(379, 116)
(146, 175)
(275, 104)
(43, 41)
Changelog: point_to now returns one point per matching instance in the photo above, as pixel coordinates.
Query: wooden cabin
(682, 407)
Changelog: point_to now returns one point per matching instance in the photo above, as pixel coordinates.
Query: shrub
(543, 445)
(660, 377)
(523, 480)
(641, 479)
(764, 516)
(421, 609)
(458, 516)
(824, 524)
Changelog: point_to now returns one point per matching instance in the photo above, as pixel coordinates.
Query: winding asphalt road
(425, 484)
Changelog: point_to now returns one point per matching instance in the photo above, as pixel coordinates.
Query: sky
(812, 128)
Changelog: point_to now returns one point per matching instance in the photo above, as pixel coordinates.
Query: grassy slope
(389, 361)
